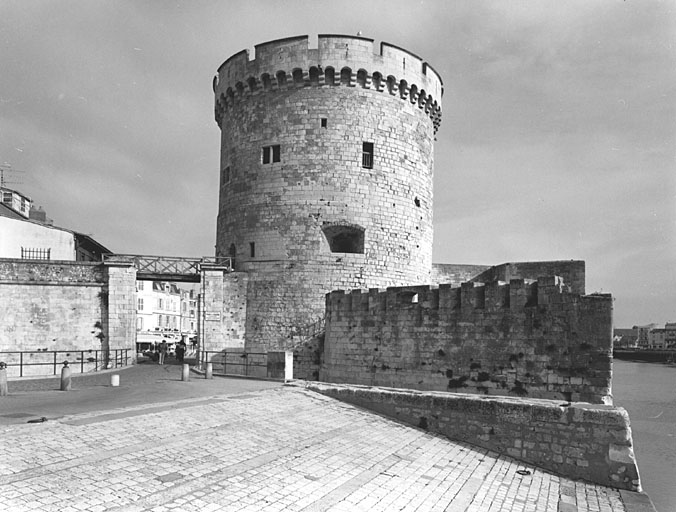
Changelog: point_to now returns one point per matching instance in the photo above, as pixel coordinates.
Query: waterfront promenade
(156, 443)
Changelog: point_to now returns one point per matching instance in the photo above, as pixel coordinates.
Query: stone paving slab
(145, 383)
(281, 449)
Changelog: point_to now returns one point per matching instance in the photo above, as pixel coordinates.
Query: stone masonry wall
(225, 309)
(530, 339)
(49, 306)
(590, 442)
(119, 318)
(572, 272)
(455, 274)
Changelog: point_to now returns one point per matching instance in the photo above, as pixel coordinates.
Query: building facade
(670, 334)
(28, 234)
(189, 311)
(657, 339)
(158, 307)
(16, 201)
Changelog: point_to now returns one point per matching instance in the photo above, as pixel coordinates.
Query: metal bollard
(65, 377)
(4, 391)
(209, 374)
(115, 380)
(185, 376)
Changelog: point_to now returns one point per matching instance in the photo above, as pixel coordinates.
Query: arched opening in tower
(345, 238)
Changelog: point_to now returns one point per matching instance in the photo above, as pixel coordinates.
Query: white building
(26, 233)
(189, 301)
(158, 308)
(16, 201)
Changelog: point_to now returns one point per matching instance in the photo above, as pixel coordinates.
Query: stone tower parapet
(326, 174)
(339, 60)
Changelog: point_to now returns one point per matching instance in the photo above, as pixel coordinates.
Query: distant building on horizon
(625, 338)
(646, 336)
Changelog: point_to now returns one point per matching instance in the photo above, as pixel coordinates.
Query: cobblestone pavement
(279, 449)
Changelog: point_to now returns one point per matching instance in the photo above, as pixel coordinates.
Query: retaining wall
(578, 440)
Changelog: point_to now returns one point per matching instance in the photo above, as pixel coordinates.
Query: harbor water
(648, 392)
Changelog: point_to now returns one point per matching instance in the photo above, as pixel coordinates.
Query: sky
(558, 137)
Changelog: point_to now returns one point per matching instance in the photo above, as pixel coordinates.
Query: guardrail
(21, 364)
(262, 365)
(302, 334)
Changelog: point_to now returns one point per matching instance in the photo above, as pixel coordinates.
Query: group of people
(163, 349)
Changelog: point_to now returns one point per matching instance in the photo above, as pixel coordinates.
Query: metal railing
(302, 334)
(82, 360)
(265, 365)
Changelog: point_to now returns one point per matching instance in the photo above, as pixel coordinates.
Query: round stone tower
(326, 174)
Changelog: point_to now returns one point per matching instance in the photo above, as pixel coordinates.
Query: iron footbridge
(169, 268)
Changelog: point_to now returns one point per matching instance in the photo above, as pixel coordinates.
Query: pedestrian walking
(180, 351)
(163, 351)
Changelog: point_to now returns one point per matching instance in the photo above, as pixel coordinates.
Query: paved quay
(239, 445)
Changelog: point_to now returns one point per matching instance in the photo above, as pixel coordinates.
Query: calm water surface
(648, 392)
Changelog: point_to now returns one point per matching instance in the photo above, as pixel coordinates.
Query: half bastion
(525, 338)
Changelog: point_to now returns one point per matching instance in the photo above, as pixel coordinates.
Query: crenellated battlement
(534, 338)
(348, 61)
(468, 298)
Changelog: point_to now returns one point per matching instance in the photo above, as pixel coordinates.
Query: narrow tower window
(367, 155)
(252, 249)
(325, 122)
(225, 177)
(271, 154)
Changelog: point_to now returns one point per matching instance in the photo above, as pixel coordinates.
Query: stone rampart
(455, 274)
(50, 305)
(53, 272)
(572, 272)
(590, 442)
(532, 339)
(66, 306)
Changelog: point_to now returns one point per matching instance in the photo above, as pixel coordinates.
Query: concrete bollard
(115, 380)
(288, 365)
(4, 391)
(185, 376)
(65, 377)
(209, 374)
